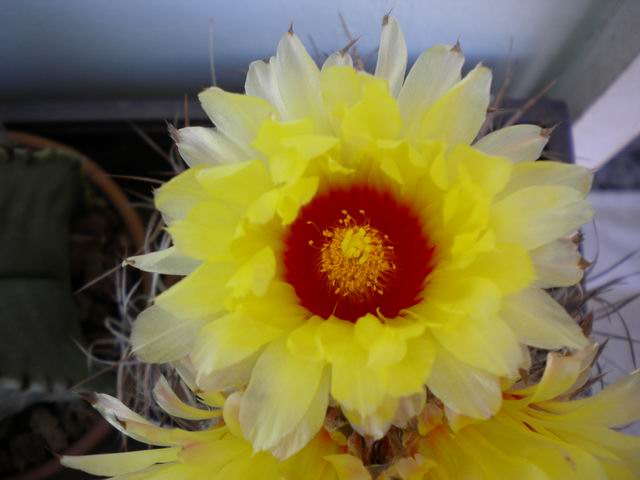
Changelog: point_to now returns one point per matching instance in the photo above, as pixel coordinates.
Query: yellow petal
(484, 341)
(549, 173)
(286, 396)
(337, 59)
(159, 337)
(120, 463)
(255, 275)
(375, 424)
(463, 388)
(236, 116)
(598, 411)
(179, 195)
(199, 295)
(167, 399)
(348, 467)
(538, 320)
(508, 266)
(433, 74)
(261, 82)
(458, 115)
(230, 339)
(392, 55)
(168, 262)
(236, 185)
(489, 172)
(303, 342)
(519, 143)
(206, 146)
(408, 376)
(206, 232)
(557, 264)
(534, 216)
(298, 80)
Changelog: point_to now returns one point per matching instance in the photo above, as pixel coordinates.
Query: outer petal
(463, 388)
(205, 146)
(433, 74)
(557, 264)
(236, 185)
(206, 232)
(237, 116)
(519, 143)
(199, 295)
(179, 195)
(229, 340)
(298, 80)
(458, 115)
(159, 337)
(392, 55)
(286, 396)
(549, 173)
(261, 82)
(539, 321)
(338, 59)
(168, 262)
(167, 399)
(615, 406)
(534, 216)
(484, 341)
(121, 463)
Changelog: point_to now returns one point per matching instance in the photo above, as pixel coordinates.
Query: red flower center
(357, 250)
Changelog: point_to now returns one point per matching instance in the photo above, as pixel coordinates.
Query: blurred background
(102, 79)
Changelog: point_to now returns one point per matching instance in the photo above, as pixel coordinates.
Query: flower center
(355, 250)
(355, 257)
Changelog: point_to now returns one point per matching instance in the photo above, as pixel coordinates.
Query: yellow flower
(216, 453)
(541, 434)
(344, 235)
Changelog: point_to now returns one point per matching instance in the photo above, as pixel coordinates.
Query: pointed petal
(236, 116)
(557, 264)
(167, 262)
(535, 216)
(615, 406)
(230, 339)
(484, 341)
(463, 388)
(338, 59)
(261, 82)
(167, 400)
(457, 116)
(201, 294)
(392, 55)
(299, 82)
(433, 74)
(283, 391)
(549, 173)
(519, 143)
(159, 337)
(179, 195)
(538, 320)
(120, 463)
(205, 146)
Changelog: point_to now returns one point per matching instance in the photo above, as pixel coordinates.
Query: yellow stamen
(356, 257)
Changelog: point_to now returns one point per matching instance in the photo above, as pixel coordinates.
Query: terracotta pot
(134, 225)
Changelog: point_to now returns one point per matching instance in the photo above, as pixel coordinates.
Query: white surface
(616, 233)
(611, 122)
(58, 49)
